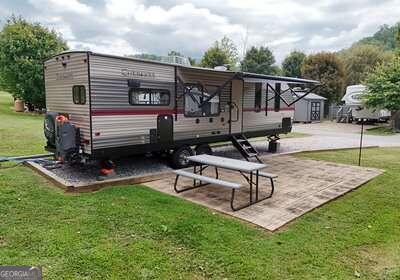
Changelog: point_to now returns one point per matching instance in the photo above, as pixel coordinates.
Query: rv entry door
(165, 129)
(236, 106)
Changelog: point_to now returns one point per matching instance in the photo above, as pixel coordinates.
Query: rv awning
(270, 78)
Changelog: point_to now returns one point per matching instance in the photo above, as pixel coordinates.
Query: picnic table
(249, 170)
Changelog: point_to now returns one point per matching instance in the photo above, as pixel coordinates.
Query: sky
(126, 27)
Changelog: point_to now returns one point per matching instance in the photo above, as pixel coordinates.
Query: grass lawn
(20, 133)
(133, 232)
(380, 130)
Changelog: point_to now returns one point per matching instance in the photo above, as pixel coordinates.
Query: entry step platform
(247, 150)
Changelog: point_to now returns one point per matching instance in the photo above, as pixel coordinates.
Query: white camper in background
(353, 99)
(103, 107)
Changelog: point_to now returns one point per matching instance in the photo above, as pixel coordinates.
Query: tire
(204, 149)
(179, 157)
(49, 128)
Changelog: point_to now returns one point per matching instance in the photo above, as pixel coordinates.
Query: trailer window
(257, 99)
(149, 96)
(195, 105)
(277, 103)
(79, 95)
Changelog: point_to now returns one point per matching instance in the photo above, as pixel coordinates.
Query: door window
(258, 97)
(277, 104)
(197, 103)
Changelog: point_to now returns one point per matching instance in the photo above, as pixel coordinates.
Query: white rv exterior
(126, 106)
(353, 98)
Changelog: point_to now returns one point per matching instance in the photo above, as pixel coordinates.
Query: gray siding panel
(108, 67)
(258, 121)
(110, 94)
(187, 127)
(113, 93)
(58, 85)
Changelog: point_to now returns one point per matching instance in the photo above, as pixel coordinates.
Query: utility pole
(361, 141)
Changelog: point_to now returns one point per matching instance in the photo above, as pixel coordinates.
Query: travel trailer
(103, 107)
(354, 105)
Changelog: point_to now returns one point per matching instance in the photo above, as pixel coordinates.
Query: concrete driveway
(331, 135)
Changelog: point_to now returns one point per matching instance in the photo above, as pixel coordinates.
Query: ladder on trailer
(344, 115)
(243, 145)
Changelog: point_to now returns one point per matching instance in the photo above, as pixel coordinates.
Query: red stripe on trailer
(282, 109)
(269, 109)
(106, 112)
(129, 112)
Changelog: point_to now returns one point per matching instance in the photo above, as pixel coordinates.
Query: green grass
(20, 133)
(380, 130)
(133, 232)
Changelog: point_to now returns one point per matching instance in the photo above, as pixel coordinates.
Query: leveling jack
(107, 170)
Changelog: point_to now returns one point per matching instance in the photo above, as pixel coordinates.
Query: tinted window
(149, 96)
(277, 104)
(196, 104)
(257, 99)
(79, 94)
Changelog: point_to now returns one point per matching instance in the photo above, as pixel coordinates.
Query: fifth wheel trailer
(103, 107)
(353, 101)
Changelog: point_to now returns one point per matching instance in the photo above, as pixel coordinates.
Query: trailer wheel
(204, 149)
(179, 157)
(49, 128)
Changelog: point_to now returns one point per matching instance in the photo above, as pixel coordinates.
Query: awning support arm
(290, 89)
(219, 89)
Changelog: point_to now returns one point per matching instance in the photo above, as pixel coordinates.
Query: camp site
(137, 143)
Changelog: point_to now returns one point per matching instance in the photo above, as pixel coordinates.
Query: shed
(310, 108)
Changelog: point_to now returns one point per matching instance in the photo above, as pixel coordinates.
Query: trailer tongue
(19, 159)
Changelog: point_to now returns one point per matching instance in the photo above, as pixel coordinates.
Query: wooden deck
(302, 186)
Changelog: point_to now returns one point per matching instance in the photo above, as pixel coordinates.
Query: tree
(398, 37)
(222, 52)
(147, 56)
(23, 48)
(228, 46)
(192, 61)
(360, 60)
(259, 60)
(291, 66)
(214, 56)
(384, 37)
(328, 69)
(384, 89)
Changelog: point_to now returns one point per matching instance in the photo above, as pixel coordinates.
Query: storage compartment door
(165, 128)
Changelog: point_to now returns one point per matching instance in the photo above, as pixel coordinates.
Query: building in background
(310, 108)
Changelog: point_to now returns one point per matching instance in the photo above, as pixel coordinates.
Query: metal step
(245, 148)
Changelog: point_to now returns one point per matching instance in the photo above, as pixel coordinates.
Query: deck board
(302, 185)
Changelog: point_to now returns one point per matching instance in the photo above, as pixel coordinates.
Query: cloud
(155, 26)
(62, 6)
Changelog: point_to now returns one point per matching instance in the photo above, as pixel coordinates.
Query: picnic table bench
(249, 170)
